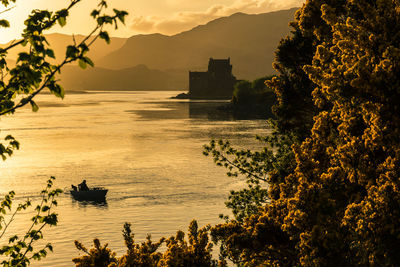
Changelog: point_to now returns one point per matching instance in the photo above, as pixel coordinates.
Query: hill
(250, 41)
(160, 62)
(138, 78)
(59, 42)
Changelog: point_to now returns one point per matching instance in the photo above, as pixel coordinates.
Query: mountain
(59, 42)
(249, 40)
(138, 78)
(160, 62)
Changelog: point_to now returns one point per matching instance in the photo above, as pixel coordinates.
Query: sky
(151, 16)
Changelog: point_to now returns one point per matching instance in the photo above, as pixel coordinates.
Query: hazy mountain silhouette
(135, 78)
(250, 41)
(59, 42)
(160, 62)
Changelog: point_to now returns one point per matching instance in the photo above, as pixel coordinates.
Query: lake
(143, 146)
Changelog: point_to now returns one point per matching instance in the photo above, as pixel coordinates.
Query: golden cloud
(186, 20)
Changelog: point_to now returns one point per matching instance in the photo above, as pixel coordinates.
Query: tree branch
(244, 170)
(50, 76)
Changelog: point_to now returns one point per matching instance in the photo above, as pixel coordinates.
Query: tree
(339, 202)
(179, 252)
(20, 250)
(257, 92)
(242, 92)
(33, 73)
(253, 99)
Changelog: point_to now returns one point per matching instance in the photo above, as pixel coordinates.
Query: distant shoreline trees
(253, 99)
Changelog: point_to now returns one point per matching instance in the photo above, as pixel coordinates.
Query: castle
(216, 83)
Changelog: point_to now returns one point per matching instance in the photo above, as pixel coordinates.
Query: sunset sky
(150, 16)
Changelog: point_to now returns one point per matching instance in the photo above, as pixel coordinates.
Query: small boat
(95, 194)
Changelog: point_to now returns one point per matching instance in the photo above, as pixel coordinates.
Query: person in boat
(74, 187)
(83, 186)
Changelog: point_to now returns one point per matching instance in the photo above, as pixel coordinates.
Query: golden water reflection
(144, 147)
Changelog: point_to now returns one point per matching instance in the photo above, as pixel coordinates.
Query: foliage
(262, 169)
(255, 92)
(242, 92)
(32, 73)
(8, 150)
(144, 254)
(339, 201)
(294, 110)
(20, 251)
(253, 99)
(98, 256)
(179, 252)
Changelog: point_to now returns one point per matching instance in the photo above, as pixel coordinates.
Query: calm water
(144, 147)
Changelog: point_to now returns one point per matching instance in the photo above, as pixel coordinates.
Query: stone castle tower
(216, 83)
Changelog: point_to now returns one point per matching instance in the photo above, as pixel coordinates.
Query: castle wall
(198, 84)
(217, 83)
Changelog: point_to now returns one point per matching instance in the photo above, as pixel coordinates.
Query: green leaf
(72, 51)
(50, 247)
(121, 15)
(82, 64)
(9, 137)
(35, 107)
(4, 23)
(50, 53)
(62, 21)
(94, 13)
(23, 56)
(105, 36)
(59, 91)
(83, 48)
(45, 208)
(103, 3)
(56, 89)
(88, 61)
(63, 12)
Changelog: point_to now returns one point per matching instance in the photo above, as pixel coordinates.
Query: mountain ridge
(248, 39)
(136, 78)
(59, 41)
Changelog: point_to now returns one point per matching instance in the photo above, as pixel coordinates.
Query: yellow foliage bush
(334, 194)
(197, 251)
(343, 203)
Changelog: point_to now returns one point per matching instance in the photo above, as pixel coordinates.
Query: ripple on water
(145, 148)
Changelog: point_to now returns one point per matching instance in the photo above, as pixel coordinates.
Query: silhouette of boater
(83, 186)
(83, 192)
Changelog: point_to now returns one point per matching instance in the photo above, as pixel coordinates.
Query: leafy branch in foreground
(262, 170)
(20, 251)
(33, 72)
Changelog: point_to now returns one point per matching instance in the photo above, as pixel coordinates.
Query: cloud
(143, 24)
(186, 20)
